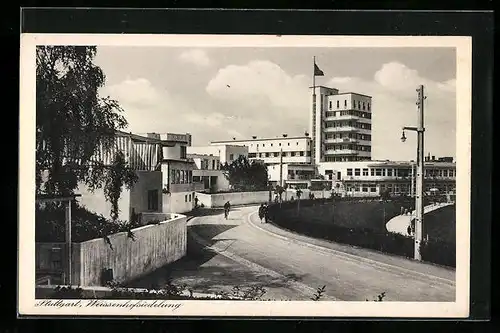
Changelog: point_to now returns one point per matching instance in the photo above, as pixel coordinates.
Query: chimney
(254, 137)
(285, 135)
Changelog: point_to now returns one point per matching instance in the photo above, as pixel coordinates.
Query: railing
(341, 129)
(341, 152)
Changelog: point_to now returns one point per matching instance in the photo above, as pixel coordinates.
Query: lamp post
(419, 193)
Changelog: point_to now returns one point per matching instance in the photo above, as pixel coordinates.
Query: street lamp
(419, 205)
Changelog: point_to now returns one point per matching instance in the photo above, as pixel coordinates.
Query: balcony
(341, 129)
(347, 117)
(341, 152)
(342, 140)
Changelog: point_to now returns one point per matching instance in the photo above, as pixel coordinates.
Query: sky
(225, 93)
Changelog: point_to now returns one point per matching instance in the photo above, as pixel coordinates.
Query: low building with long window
(370, 178)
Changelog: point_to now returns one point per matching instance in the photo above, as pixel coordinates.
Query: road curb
(353, 257)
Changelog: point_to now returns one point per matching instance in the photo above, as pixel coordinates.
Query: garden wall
(235, 198)
(154, 246)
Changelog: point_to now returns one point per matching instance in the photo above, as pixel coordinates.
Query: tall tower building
(340, 126)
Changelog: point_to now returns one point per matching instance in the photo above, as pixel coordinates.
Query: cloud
(196, 56)
(259, 81)
(393, 90)
(150, 109)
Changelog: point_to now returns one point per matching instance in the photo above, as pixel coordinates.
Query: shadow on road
(205, 271)
(209, 231)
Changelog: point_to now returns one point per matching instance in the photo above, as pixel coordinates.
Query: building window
(189, 196)
(345, 103)
(231, 156)
(378, 172)
(288, 143)
(263, 145)
(365, 172)
(349, 172)
(372, 172)
(213, 164)
(330, 105)
(186, 198)
(383, 172)
(364, 188)
(183, 152)
(363, 105)
(301, 153)
(359, 105)
(368, 106)
(373, 189)
(267, 154)
(271, 144)
(357, 172)
(292, 153)
(389, 172)
(153, 200)
(279, 144)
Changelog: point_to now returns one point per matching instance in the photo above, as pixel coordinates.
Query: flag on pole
(317, 71)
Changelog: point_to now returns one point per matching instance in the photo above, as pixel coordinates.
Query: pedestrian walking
(261, 212)
(402, 210)
(227, 208)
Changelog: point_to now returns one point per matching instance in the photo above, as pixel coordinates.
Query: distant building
(340, 126)
(370, 178)
(208, 175)
(165, 175)
(227, 152)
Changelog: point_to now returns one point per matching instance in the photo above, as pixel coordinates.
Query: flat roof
(202, 155)
(265, 139)
(354, 93)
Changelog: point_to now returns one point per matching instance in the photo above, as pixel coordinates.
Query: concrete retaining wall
(235, 198)
(154, 246)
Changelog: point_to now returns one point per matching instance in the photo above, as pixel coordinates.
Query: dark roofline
(321, 86)
(354, 93)
(257, 139)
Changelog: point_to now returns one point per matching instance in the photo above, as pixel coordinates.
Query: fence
(128, 257)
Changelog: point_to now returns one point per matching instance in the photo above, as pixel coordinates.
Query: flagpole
(313, 146)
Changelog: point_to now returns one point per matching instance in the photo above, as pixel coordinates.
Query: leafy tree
(245, 175)
(118, 175)
(72, 120)
(279, 191)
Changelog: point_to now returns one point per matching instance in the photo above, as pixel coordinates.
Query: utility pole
(419, 202)
(419, 181)
(281, 167)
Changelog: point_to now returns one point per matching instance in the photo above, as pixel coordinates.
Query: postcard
(238, 175)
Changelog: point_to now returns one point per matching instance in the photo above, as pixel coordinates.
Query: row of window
(277, 154)
(355, 113)
(396, 188)
(205, 164)
(279, 144)
(357, 136)
(189, 197)
(360, 105)
(348, 123)
(398, 172)
(348, 146)
(181, 176)
(345, 158)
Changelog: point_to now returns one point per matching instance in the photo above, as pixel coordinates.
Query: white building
(340, 126)
(370, 178)
(227, 152)
(208, 174)
(295, 149)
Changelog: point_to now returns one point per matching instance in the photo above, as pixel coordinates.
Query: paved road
(242, 251)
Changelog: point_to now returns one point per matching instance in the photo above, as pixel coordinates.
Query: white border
(459, 308)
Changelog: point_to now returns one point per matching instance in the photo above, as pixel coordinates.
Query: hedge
(438, 252)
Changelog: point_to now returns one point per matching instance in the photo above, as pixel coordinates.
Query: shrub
(86, 225)
(438, 252)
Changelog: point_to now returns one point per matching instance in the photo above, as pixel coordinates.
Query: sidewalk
(359, 253)
(399, 224)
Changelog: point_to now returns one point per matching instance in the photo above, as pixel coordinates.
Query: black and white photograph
(195, 175)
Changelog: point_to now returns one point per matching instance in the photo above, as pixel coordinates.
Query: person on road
(227, 207)
(261, 211)
(266, 213)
